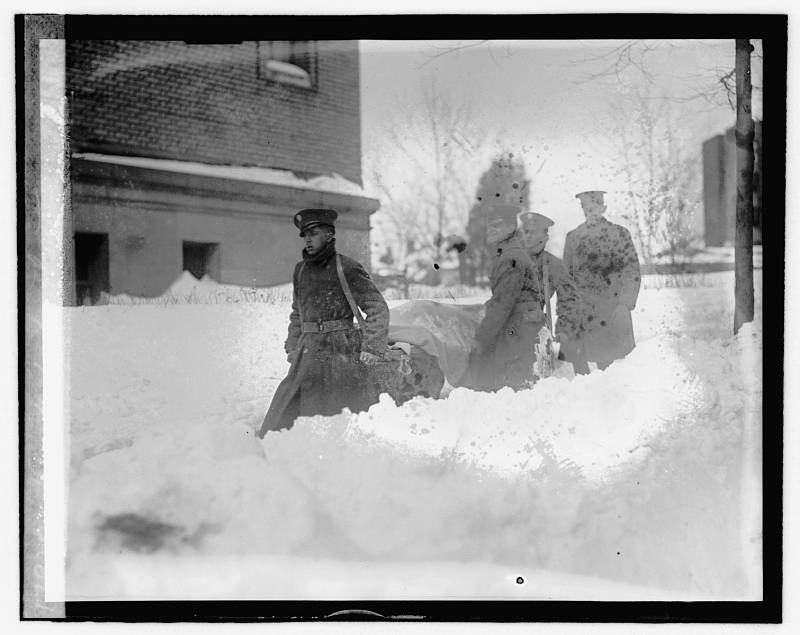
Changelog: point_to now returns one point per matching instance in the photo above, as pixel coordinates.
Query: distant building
(195, 157)
(719, 188)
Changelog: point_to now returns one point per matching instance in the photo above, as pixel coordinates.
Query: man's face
(498, 229)
(593, 209)
(535, 237)
(316, 238)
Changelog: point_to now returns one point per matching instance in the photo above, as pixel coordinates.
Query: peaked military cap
(533, 219)
(313, 217)
(504, 211)
(596, 195)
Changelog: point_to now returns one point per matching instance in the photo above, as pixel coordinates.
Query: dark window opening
(288, 62)
(91, 267)
(201, 259)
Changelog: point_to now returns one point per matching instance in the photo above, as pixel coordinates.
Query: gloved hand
(572, 350)
(620, 315)
(368, 358)
(563, 346)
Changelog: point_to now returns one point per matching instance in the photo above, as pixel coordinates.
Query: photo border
(772, 29)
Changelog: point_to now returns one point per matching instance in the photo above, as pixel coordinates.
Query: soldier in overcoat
(601, 258)
(552, 278)
(503, 354)
(329, 354)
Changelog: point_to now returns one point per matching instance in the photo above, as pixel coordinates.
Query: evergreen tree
(503, 182)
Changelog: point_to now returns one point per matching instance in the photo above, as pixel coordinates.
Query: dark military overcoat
(507, 334)
(327, 376)
(602, 260)
(569, 306)
(568, 301)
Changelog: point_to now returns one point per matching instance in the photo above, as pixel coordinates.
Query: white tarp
(446, 331)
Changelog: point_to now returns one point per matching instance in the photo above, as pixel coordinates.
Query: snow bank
(631, 475)
(189, 290)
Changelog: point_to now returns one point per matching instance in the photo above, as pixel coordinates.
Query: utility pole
(743, 244)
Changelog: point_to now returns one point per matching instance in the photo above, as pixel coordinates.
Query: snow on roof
(334, 183)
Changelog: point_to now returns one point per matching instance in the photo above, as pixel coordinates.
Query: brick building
(719, 188)
(196, 156)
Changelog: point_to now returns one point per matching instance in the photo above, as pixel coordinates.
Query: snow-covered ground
(639, 482)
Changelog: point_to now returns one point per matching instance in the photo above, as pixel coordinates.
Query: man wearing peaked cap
(536, 219)
(601, 258)
(552, 278)
(503, 352)
(596, 195)
(535, 224)
(314, 217)
(328, 352)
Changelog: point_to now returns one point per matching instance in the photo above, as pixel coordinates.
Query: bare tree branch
(437, 141)
(632, 55)
(621, 60)
(451, 49)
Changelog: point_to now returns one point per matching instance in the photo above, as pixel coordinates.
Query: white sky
(531, 95)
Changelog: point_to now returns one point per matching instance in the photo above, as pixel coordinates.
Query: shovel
(546, 349)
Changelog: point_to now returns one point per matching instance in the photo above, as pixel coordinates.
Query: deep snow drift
(639, 482)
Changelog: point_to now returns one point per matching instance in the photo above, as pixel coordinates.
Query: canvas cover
(446, 331)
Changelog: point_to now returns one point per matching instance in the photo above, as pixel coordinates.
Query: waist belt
(530, 311)
(326, 326)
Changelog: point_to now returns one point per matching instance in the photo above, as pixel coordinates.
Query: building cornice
(96, 181)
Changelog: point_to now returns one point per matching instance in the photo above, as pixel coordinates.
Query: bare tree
(401, 214)
(437, 144)
(662, 178)
(632, 56)
(628, 63)
(447, 48)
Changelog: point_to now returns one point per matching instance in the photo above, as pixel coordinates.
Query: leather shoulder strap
(300, 304)
(547, 308)
(347, 293)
